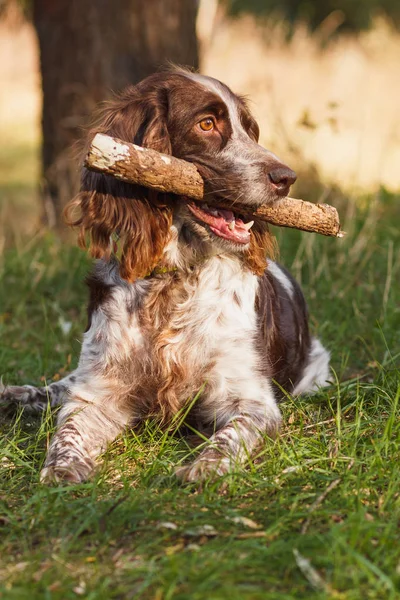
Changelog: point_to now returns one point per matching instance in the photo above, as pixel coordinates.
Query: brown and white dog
(192, 303)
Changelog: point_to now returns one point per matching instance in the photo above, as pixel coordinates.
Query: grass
(323, 499)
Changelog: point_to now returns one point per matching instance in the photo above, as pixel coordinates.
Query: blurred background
(322, 76)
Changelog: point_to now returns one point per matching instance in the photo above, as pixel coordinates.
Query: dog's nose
(282, 178)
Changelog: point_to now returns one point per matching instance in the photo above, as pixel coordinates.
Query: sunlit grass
(327, 489)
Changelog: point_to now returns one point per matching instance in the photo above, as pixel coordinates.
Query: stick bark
(148, 168)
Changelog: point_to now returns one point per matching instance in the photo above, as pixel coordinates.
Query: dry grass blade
(317, 503)
(311, 574)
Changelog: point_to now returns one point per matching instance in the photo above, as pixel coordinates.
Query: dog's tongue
(230, 230)
(222, 222)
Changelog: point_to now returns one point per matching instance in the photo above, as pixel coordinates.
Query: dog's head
(201, 120)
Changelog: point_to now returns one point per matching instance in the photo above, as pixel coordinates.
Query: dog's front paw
(72, 472)
(204, 469)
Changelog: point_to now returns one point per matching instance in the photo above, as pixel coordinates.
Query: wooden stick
(146, 167)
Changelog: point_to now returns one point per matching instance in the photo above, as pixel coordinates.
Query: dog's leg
(84, 430)
(232, 444)
(35, 399)
(99, 404)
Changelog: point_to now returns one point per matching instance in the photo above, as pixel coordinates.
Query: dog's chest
(195, 323)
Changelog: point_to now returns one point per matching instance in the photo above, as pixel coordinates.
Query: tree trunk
(88, 49)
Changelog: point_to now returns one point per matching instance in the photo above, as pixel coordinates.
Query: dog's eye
(207, 124)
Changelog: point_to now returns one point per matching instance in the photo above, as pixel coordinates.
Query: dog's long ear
(139, 218)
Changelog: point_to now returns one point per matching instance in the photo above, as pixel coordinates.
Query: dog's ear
(138, 217)
(138, 115)
(262, 246)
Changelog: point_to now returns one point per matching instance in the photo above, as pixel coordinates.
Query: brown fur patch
(262, 245)
(169, 367)
(284, 338)
(143, 229)
(141, 218)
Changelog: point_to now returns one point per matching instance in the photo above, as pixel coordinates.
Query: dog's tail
(34, 399)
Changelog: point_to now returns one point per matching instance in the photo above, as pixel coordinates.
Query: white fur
(279, 274)
(223, 331)
(316, 373)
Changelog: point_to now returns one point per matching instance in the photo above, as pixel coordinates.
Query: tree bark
(88, 49)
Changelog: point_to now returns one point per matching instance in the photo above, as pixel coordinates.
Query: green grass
(324, 496)
(19, 182)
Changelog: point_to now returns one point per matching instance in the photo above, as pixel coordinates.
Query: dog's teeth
(231, 225)
(248, 225)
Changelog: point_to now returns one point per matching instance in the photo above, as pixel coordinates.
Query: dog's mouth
(222, 222)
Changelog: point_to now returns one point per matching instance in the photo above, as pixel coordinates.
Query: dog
(183, 296)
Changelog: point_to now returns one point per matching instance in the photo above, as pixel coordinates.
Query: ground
(314, 516)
